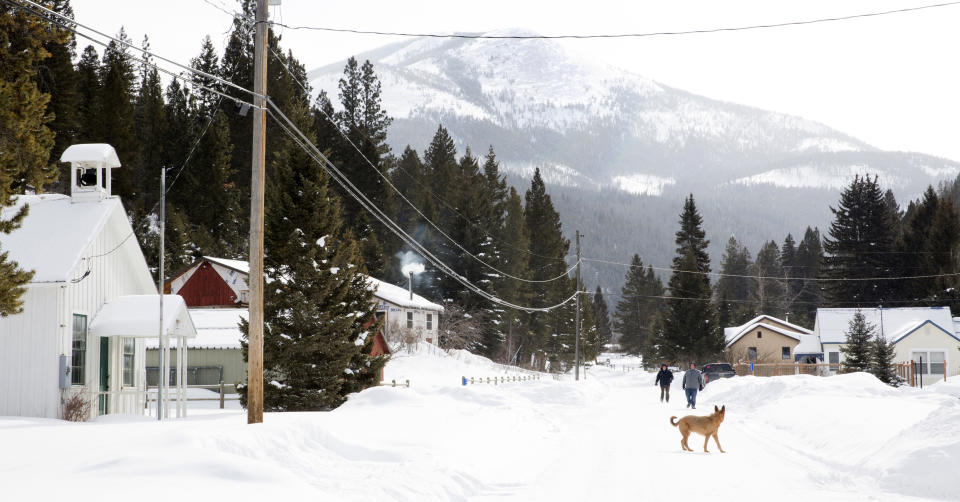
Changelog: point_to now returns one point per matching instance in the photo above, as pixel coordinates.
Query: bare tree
(460, 328)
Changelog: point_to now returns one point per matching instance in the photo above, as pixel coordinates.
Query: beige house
(765, 339)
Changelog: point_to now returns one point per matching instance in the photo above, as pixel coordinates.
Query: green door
(104, 375)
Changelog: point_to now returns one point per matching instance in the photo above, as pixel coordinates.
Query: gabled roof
(749, 329)
(832, 323)
(909, 329)
(774, 324)
(56, 233)
(238, 265)
(400, 296)
(139, 316)
(809, 345)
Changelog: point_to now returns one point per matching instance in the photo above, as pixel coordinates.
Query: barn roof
(53, 218)
(832, 324)
(139, 316)
(774, 324)
(238, 265)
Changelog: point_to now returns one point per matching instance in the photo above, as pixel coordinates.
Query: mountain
(619, 151)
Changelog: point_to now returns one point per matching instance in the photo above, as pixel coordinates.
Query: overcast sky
(891, 81)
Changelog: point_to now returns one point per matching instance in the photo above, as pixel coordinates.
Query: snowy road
(844, 438)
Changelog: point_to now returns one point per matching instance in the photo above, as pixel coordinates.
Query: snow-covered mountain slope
(541, 105)
(620, 151)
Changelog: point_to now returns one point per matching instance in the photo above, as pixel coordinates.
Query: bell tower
(90, 167)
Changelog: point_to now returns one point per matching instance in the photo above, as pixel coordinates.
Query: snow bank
(426, 365)
(903, 437)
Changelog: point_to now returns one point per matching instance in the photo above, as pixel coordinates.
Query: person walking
(664, 377)
(692, 382)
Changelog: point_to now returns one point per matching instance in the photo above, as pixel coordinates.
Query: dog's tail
(672, 421)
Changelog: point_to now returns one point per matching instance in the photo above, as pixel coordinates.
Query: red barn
(212, 282)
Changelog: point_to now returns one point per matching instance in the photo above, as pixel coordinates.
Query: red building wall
(206, 288)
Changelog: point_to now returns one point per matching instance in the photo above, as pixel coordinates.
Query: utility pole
(162, 367)
(576, 343)
(255, 334)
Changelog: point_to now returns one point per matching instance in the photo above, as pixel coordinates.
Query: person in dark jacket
(664, 377)
(692, 382)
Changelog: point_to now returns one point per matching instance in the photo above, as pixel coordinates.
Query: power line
(762, 277)
(303, 142)
(386, 179)
(180, 77)
(620, 35)
(798, 302)
(126, 44)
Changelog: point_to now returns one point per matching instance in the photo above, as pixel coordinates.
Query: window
(429, 321)
(78, 361)
(752, 353)
(129, 344)
(933, 362)
(759, 334)
(785, 352)
(409, 320)
(833, 358)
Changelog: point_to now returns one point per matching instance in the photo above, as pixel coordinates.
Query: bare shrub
(460, 328)
(76, 408)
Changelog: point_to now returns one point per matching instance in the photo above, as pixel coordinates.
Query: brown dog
(707, 426)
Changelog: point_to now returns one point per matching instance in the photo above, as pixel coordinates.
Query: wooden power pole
(255, 333)
(576, 343)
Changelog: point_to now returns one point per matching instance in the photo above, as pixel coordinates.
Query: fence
(220, 388)
(906, 372)
(496, 380)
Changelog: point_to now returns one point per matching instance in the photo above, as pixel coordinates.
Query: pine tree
(810, 295)
(769, 292)
(318, 311)
(860, 246)
(882, 354)
(690, 328)
(604, 326)
(440, 166)
(734, 287)
(151, 124)
(548, 333)
(514, 260)
(791, 271)
(632, 315)
(88, 93)
(115, 123)
(207, 101)
(25, 137)
(57, 77)
(856, 351)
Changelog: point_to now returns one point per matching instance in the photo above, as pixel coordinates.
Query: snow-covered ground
(607, 437)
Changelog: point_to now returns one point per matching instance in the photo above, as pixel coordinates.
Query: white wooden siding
(29, 356)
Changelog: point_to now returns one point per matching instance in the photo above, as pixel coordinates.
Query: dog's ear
(723, 409)
(716, 409)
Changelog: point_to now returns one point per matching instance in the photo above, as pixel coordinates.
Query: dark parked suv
(714, 371)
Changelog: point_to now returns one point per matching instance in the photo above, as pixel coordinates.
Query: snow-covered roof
(55, 234)
(771, 323)
(238, 265)
(400, 296)
(139, 316)
(216, 329)
(832, 323)
(91, 152)
(809, 345)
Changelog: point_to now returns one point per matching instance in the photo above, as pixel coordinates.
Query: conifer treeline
(870, 241)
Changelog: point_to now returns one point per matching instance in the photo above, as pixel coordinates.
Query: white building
(407, 317)
(83, 323)
(918, 333)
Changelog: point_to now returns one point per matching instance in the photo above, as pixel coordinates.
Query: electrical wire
(307, 146)
(762, 277)
(620, 35)
(386, 179)
(128, 45)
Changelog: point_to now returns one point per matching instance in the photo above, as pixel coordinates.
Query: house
(764, 339)
(918, 333)
(407, 317)
(216, 290)
(90, 305)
